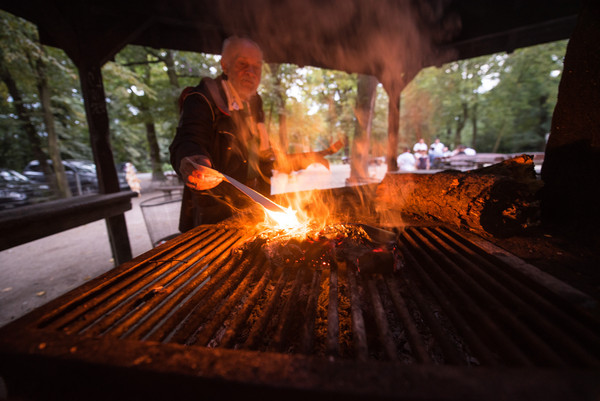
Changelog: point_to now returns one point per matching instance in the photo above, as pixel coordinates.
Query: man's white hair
(231, 46)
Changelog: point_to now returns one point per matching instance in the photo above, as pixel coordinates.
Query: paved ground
(34, 273)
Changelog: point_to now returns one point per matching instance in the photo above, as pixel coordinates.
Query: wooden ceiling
(391, 39)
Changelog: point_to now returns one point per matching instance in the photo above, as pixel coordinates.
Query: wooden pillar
(393, 127)
(365, 103)
(92, 88)
(571, 165)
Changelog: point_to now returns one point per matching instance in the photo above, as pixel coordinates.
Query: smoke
(390, 39)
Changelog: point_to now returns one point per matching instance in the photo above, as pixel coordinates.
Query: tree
(23, 58)
(275, 84)
(140, 60)
(496, 103)
(48, 117)
(143, 87)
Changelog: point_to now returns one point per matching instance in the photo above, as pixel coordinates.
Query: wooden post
(365, 102)
(572, 161)
(393, 127)
(92, 89)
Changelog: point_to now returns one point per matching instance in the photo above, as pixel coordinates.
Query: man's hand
(198, 174)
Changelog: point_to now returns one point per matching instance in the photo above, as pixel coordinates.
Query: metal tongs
(255, 196)
(252, 194)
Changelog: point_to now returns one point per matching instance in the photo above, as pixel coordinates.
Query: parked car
(91, 165)
(81, 175)
(18, 190)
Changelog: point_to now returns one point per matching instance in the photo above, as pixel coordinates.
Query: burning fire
(304, 215)
(285, 220)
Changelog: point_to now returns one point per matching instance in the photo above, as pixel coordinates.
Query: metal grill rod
(174, 284)
(112, 290)
(359, 334)
(259, 326)
(473, 295)
(383, 330)
(285, 317)
(333, 320)
(257, 268)
(414, 339)
(567, 318)
(308, 327)
(484, 355)
(526, 312)
(216, 272)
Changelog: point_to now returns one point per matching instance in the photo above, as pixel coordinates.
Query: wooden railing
(28, 223)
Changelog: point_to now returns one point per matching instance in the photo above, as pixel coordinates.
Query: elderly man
(221, 126)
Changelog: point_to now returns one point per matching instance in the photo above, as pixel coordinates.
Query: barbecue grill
(213, 313)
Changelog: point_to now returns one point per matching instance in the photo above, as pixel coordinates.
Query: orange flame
(305, 213)
(285, 220)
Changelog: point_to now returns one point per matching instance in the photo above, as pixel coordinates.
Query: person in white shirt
(420, 150)
(436, 151)
(406, 161)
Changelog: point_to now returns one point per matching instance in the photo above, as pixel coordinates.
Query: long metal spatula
(255, 196)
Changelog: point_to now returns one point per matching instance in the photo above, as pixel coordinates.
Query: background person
(436, 152)
(406, 161)
(132, 179)
(420, 151)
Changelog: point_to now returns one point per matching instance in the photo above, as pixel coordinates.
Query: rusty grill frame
(462, 319)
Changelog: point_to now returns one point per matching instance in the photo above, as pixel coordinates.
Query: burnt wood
(498, 200)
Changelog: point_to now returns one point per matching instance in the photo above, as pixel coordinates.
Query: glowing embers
(319, 247)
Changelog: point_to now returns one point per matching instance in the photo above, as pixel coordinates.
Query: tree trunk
(365, 103)
(280, 108)
(499, 137)
(474, 122)
(542, 130)
(172, 74)
(331, 118)
(153, 148)
(157, 173)
(53, 147)
(25, 119)
(393, 127)
(460, 124)
(283, 137)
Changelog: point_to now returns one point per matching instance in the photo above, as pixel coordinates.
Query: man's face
(244, 70)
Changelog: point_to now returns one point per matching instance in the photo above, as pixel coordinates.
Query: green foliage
(21, 51)
(318, 104)
(512, 116)
(139, 91)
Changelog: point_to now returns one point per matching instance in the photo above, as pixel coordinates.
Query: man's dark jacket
(206, 127)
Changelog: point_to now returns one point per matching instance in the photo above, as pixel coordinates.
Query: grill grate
(452, 303)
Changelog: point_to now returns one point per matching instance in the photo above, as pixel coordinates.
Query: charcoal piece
(376, 261)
